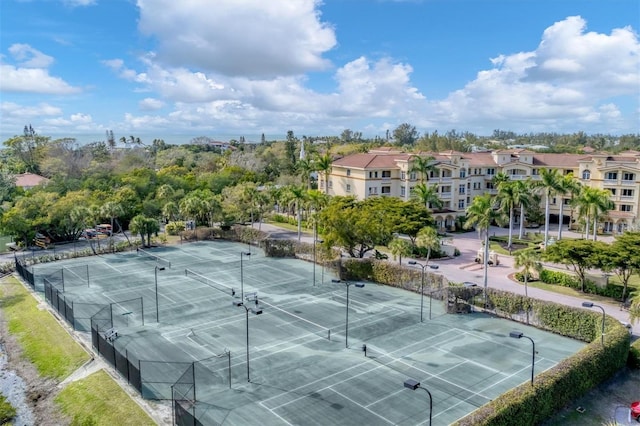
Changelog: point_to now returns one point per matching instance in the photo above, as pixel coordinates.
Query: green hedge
(560, 278)
(570, 378)
(634, 355)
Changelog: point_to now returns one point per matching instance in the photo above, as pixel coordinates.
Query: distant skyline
(228, 68)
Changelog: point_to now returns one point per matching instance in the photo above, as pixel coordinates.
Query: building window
(627, 192)
(566, 201)
(373, 190)
(330, 184)
(535, 172)
(461, 204)
(463, 173)
(586, 175)
(489, 185)
(411, 190)
(403, 191)
(386, 174)
(611, 176)
(553, 200)
(386, 190)
(491, 172)
(461, 189)
(626, 207)
(628, 176)
(403, 175)
(568, 171)
(445, 189)
(613, 191)
(348, 172)
(348, 187)
(412, 175)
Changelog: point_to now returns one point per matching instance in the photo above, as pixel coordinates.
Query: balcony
(610, 181)
(445, 195)
(627, 182)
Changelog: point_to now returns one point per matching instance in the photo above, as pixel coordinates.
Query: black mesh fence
(58, 301)
(158, 376)
(183, 394)
(24, 271)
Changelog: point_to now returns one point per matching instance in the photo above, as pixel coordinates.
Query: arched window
(586, 175)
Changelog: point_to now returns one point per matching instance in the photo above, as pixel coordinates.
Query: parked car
(89, 233)
(635, 410)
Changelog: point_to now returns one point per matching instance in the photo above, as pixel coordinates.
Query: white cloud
(76, 3)
(30, 75)
(10, 109)
(570, 78)
(28, 57)
(254, 38)
(150, 104)
(80, 118)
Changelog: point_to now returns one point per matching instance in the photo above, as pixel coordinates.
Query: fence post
(193, 366)
(88, 284)
(142, 308)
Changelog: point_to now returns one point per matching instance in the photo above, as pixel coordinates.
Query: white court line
(362, 406)
(109, 266)
(274, 413)
(324, 388)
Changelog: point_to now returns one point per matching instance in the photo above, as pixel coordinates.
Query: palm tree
(111, 209)
(304, 167)
(499, 178)
(323, 165)
(423, 165)
(568, 185)
(529, 261)
(170, 210)
(524, 199)
(550, 185)
(400, 247)
(427, 194)
(298, 195)
(591, 203)
(508, 199)
(428, 238)
(480, 215)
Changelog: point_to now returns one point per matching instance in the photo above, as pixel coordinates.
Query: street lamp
(315, 241)
(242, 253)
(592, 305)
(346, 331)
(413, 262)
(413, 385)
(519, 335)
(257, 310)
(157, 268)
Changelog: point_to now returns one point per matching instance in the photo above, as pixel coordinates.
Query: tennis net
(159, 260)
(209, 282)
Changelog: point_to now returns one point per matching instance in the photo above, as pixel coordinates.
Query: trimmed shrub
(634, 355)
(174, 228)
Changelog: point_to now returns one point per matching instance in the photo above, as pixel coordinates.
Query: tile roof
(29, 180)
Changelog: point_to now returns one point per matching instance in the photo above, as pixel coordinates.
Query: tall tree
(622, 257)
(323, 165)
(111, 210)
(400, 247)
(428, 238)
(508, 199)
(480, 215)
(550, 184)
(424, 166)
(405, 134)
(582, 255)
(298, 198)
(529, 261)
(427, 194)
(524, 199)
(568, 186)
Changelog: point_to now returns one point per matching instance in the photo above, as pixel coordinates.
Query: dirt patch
(39, 392)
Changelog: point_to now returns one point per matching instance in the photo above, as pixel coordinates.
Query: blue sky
(229, 68)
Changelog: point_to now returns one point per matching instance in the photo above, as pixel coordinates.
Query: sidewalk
(463, 268)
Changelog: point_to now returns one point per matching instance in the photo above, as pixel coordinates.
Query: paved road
(463, 268)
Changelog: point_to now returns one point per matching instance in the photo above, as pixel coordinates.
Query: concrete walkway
(463, 268)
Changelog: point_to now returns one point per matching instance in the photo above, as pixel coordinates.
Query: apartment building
(385, 172)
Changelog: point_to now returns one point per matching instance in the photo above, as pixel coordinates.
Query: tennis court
(300, 369)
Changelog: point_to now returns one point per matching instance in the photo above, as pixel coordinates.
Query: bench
(111, 334)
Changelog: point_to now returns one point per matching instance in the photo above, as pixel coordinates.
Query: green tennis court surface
(300, 370)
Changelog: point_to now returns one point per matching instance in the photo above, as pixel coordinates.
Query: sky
(179, 69)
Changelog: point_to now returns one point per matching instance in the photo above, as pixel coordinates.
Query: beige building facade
(460, 177)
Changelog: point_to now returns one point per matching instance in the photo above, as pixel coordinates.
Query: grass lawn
(7, 412)
(98, 400)
(47, 345)
(3, 243)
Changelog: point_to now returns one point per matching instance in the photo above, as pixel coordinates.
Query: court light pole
(242, 254)
(347, 284)
(316, 241)
(257, 310)
(423, 266)
(157, 268)
(413, 385)
(519, 335)
(592, 305)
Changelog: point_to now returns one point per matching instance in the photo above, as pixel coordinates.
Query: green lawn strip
(7, 412)
(44, 342)
(568, 291)
(3, 243)
(99, 400)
